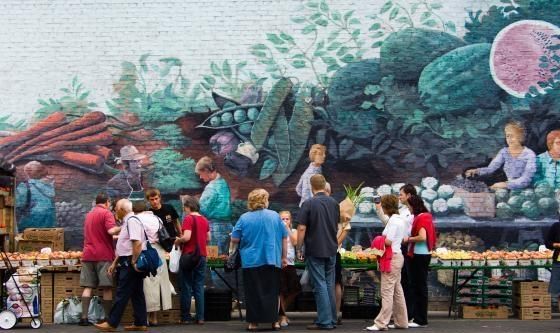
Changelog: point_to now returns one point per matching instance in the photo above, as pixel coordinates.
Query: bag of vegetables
(349, 204)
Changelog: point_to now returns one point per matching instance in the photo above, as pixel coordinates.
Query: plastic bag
(304, 281)
(68, 311)
(174, 259)
(96, 312)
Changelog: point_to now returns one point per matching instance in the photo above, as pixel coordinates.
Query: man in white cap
(128, 182)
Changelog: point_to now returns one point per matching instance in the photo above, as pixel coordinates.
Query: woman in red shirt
(195, 232)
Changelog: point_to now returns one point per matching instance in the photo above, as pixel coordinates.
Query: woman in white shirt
(392, 296)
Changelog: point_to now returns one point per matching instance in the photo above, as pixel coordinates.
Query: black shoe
(83, 322)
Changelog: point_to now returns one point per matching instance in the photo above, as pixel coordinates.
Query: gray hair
(125, 204)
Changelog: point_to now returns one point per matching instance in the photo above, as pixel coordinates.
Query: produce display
(492, 258)
(438, 198)
(56, 258)
(533, 203)
(459, 241)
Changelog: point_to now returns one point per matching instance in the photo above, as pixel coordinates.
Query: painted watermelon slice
(515, 54)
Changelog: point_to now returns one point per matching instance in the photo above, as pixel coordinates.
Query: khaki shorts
(94, 274)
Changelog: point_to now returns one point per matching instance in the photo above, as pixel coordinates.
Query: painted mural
(478, 111)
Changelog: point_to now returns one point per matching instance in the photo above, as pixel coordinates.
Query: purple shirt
(519, 170)
(131, 230)
(303, 187)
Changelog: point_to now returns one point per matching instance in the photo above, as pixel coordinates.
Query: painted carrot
(104, 152)
(55, 120)
(89, 119)
(79, 142)
(84, 161)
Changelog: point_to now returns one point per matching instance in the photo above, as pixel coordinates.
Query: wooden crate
(479, 312)
(534, 313)
(478, 204)
(169, 317)
(30, 245)
(530, 288)
(533, 301)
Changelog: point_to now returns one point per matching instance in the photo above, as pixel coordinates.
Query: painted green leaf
(286, 37)
(347, 58)
(210, 80)
(394, 13)
(260, 47)
(386, 7)
(333, 35)
(269, 111)
(356, 33)
(334, 46)
(404, 20)
(323, 6)
(298, 63)
(226, 69)
(451, 26)
(329, 60)
(298, 20)
(372, 89)
(309, 29)
(322, 22)
(299, 128)
(336, 15)
(375, 26)
(425, 16)
(283, 50)
(366, 105)
(348, 15)
(268, 168)
(436, 5)
(240, 65)
(376, 44)
(172, 61)
(215, 69)
(342, 51)
(312, 4)
(282, 139)
(354, 21)
(333, 67)
(142, 61)
(430, 23)
(274, 39)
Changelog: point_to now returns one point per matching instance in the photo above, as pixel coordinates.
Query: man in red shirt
(99, 253)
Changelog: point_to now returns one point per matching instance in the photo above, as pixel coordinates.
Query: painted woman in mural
(128, 182)
(317, 155)
(518, 161)
(548, 171)
(215, 202)
(35, 198)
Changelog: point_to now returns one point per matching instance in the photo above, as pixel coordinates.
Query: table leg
(233, 290)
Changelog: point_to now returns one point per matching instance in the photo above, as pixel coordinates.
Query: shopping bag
(96, 312)
(174, 259)
(68, 311)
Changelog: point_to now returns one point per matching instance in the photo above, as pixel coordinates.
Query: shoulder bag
(164, 239)
(233, 261)
(190, 260)
(148, 261)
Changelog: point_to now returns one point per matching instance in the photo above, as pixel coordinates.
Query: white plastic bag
(96, 312)
(68, 311)
(304, 281)
(174, 258)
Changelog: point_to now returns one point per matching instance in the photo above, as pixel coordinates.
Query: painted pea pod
(232, 117)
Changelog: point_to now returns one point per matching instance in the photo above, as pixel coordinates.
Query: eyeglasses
(285, 219)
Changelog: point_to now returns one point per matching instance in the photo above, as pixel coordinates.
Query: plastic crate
(217, 304)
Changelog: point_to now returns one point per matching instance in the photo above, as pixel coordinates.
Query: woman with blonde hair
(317, 155)
(289, 280)
(263, 245)
(518, 161)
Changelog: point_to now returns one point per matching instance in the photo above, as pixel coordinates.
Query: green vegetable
(215, 121)
(504, 211)
(227, 119)
(240, 115)
(354, 194)
(528, 195)
(269, 111)
(453, 82)
(429, 195)
(548, 206)
(530, 209)
(502, 195)
(515, 202)
(544, 191)
(445, 191)
(384, 190)
(406, 52)
(252, 113)
(430, 183)
(245, 128)
(455, 205)
(439, 207)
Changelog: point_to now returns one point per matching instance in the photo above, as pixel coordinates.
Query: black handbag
(233, 261)
(164, 239)
(189, 261)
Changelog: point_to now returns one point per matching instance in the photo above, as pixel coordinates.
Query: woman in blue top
(518, 161)
(263, 245)
(35, 198)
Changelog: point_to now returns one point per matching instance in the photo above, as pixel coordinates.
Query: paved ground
(438, 323)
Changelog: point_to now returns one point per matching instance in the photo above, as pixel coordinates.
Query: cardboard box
(530, 288)
(534, 313)
(28, 245)
(479, 312)
(56, 235)
(212, 251)
(533, 301)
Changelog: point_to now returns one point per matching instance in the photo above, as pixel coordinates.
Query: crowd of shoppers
(268, 246)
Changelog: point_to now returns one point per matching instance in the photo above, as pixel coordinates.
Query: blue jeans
(322, 273)
(130, 285)
(192, 283)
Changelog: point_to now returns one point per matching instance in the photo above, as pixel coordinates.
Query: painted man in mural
(317, 155)
(518, 161)
(547, 162)
(128, 182)
(35, 198)
(215, 202)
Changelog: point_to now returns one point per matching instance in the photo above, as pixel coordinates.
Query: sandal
(252, 328)
(276, 326)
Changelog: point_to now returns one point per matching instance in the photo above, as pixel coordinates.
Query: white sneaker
(375, 328)
(412, 324)
(392, 326)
